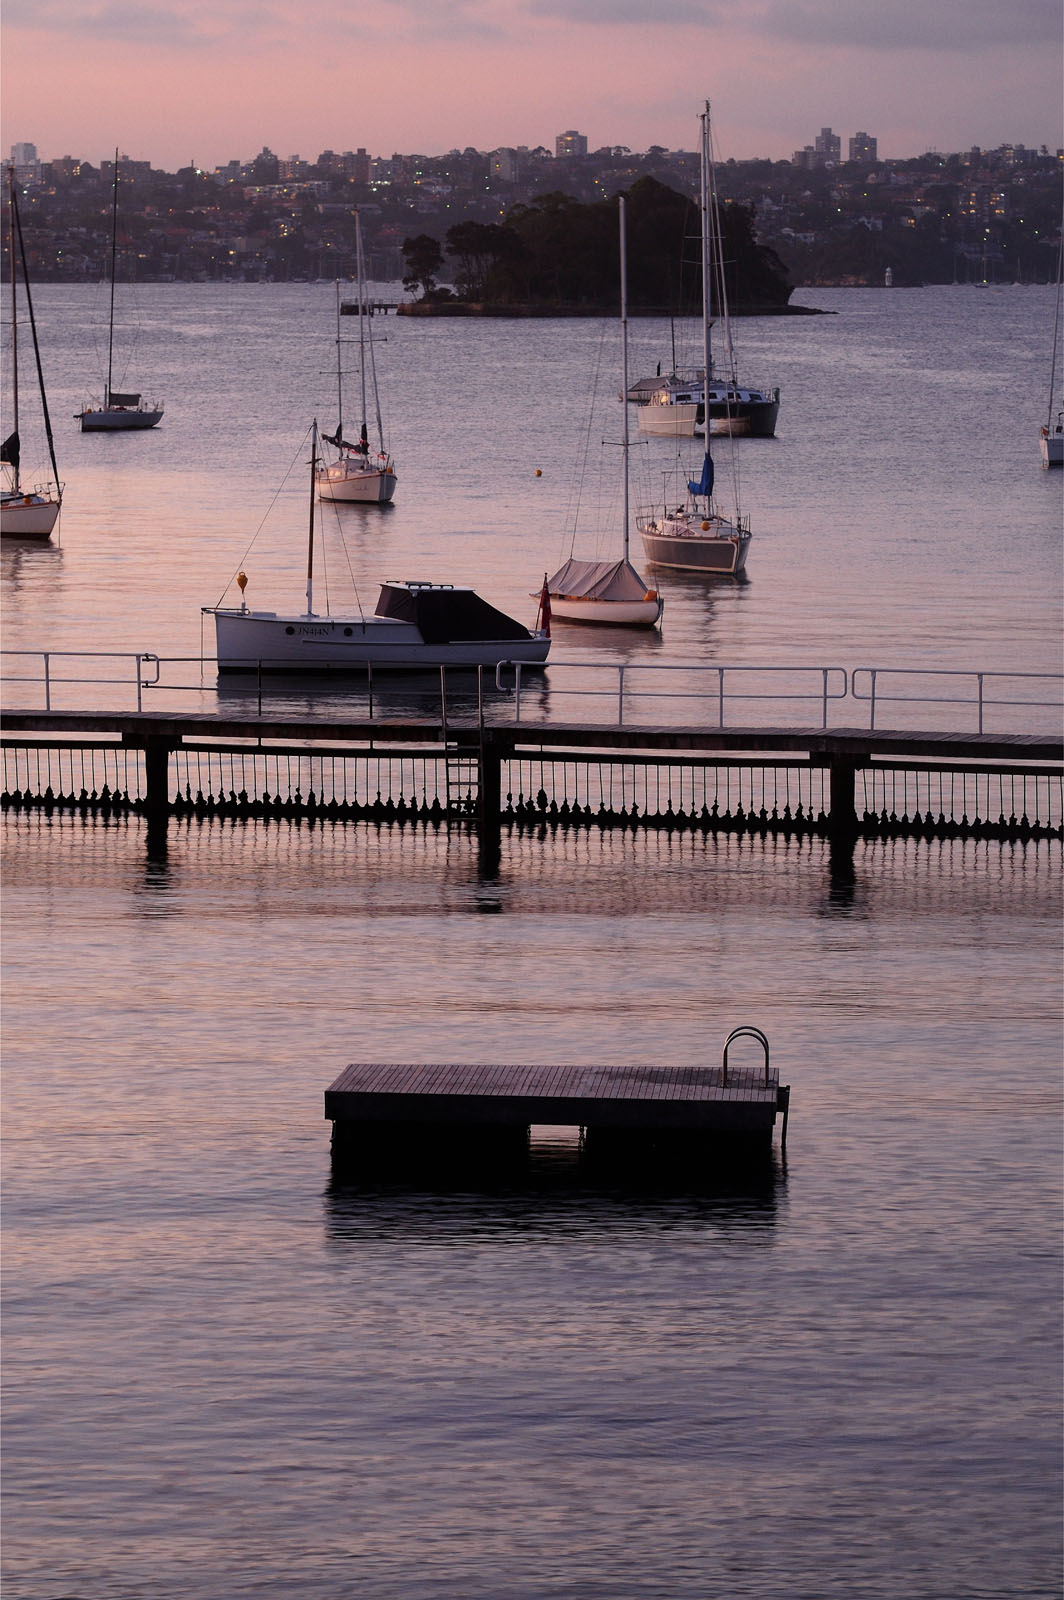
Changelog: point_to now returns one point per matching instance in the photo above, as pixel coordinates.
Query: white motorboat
(119, 411)
(608, 591)
(25, 513)
(356, 473)
(676, 408)
(698, 535)
(415, 625)
(1051, 435)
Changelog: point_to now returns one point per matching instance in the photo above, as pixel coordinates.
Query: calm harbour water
(227, 1377)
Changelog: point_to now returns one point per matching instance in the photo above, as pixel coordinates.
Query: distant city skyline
(207, 81)
(826, 150)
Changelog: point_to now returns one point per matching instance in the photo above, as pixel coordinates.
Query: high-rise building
(570, 144)
(863, 148)
(503, 164)
(24, 160)
(828, 147)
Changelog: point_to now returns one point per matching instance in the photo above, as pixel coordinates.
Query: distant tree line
(559, 251)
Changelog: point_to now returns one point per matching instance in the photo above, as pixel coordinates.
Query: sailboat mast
(339, 372)
(114, 258)
(706, 284)
(14, 325)
(361, 315)
(1056, 334)
(624, 359)
(310, 536)
(45, 416)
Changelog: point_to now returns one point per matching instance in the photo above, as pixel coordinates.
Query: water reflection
(441, 1215)
(551, 1189)
(23, 559)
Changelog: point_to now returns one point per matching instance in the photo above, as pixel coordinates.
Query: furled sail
(705, 482)
(9, 450)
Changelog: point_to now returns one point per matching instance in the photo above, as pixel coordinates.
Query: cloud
(248, 26)
(959, 26)
(188, 25)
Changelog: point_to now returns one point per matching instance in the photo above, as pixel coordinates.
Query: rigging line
(334, 507)
(716, 221)
(577, 482)
(266, 514)
(323, 562)
(36, 346)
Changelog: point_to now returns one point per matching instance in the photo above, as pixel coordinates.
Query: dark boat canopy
(116, 399)
(443, 615)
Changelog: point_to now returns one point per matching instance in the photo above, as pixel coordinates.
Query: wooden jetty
(410, 1109)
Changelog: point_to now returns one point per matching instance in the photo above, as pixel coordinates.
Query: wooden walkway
(720, 1100)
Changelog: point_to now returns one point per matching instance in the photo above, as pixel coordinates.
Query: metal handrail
(722, 694)
(873, 695)
(720, 685)
(737, 1033)
(142, 660)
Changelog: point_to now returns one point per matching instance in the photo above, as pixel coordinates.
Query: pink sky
(172, 81)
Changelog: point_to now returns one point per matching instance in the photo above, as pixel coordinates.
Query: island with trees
(558, 256)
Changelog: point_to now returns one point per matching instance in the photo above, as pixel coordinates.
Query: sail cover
(705, 482)
(9, 450)
(598, 580)
(116, 399)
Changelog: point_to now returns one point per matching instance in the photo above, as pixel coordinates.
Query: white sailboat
(355, 473)
(608, 591)
(120, 411)
(685, 404)
(697, 535)
(25, 513)
(415, 625)
(1051, 434)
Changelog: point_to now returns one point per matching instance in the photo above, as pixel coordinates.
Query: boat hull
(1052, 447)
(750, 416)
(28, 516)
(249, 641)
(723, 554)
(118, 420)
(678, 420)
(615, 613)
(374, 487)
(752, 419)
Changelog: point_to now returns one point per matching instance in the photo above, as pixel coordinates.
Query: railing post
(489, 803)
(517, 692)
(443, 701)
(842, 773)
(47, 682)
(979, 677)
(824, 701)
(872, 699)
(156, 778)
(620, 696)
